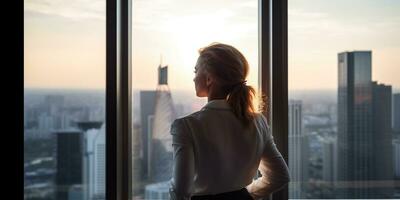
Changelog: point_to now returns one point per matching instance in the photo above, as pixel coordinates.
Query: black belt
(242, 194)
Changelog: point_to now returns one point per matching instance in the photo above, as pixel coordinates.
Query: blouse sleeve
(183, 161)
(273, 168)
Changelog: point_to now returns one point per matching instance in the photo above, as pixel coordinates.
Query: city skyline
(319, 121)
(65, 92)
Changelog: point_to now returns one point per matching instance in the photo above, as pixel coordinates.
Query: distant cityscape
(346, 147)
(342, 144)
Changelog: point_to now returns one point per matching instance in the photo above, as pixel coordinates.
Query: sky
(65, 40)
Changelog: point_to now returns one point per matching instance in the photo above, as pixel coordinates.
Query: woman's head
(221, 68)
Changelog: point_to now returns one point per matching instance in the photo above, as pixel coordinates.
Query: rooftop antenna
(160, 59)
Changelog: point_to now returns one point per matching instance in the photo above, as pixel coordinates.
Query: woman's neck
(215, 94)
(216, 98)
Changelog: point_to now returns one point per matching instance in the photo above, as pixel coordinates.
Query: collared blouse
(214, 153)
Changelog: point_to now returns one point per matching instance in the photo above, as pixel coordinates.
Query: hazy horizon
(65, 42)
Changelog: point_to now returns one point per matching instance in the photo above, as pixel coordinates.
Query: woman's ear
(209, 79)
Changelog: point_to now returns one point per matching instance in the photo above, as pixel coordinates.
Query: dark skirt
(234, 195)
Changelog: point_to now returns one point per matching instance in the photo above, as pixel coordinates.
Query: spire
(160, 59)
(162, 73)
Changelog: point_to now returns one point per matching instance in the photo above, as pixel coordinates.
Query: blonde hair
(230, 68)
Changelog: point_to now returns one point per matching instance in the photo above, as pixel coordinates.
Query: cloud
(72, 9)
(146, 16)
(310, 24)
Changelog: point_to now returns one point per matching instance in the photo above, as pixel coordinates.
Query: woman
(218, 149)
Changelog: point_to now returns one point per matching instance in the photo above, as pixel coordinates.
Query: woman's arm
(183, 157)
(274, 171)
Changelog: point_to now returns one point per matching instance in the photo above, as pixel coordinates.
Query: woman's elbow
(286, 177)
(286, 180)
(283, 179)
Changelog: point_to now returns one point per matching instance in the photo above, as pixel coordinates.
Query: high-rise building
(147, 107)
(68, 162)
(355, 165)
(93, 159)
(396, 158)
(382, 131)
(298, 151)
(99, 162)
(137, 180)
(329, 160)
(160, 161)
(90, 131)
(396, 113)
(361, 136)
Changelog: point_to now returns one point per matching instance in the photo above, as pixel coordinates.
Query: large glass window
(343, 71)
(64, 99)
(165, 43)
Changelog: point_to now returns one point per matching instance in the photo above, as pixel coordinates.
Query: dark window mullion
(264, 53)
(264, 23)
(125, 112)
(111, 101)
(280, 82)
(118, 100)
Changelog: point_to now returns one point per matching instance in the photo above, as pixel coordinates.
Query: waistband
(241, 194)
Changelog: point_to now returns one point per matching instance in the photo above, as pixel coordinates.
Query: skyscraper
(298, 149)
(382, 131)
(329, 159)
(160, 160)
(69, 162)
(396, 158)
(99, 164)
(92, 135)
(362, 137)
(137, 179)
(147, 107)
(396, 113)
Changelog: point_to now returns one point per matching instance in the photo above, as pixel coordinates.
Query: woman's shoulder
(184, 119)
(190, 116)
(261, 119)
(263, 126)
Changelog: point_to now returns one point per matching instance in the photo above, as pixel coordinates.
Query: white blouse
(214, 153)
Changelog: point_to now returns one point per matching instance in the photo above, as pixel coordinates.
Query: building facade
(362, 129)
(298, 151)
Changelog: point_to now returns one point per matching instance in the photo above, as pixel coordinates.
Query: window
(165, 43)
(342, 76)
(64, 100)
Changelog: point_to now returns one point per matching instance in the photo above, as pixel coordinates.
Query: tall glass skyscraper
(160, 146)
(147, 107)
(382, 133)
(362, 138)
(69, 162)
(396, 113)
(298, 149)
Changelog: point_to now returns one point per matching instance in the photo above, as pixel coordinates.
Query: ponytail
(241, 101)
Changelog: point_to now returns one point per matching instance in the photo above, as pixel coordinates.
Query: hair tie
(240, 83)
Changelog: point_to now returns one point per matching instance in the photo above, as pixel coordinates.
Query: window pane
(64, 99)
(170, 34)
(343, 89)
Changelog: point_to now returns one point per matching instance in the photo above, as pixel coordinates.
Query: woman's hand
(252, 196)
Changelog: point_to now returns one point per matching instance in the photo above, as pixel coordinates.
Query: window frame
(273, 82)
(118, 100)
(273, 73)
